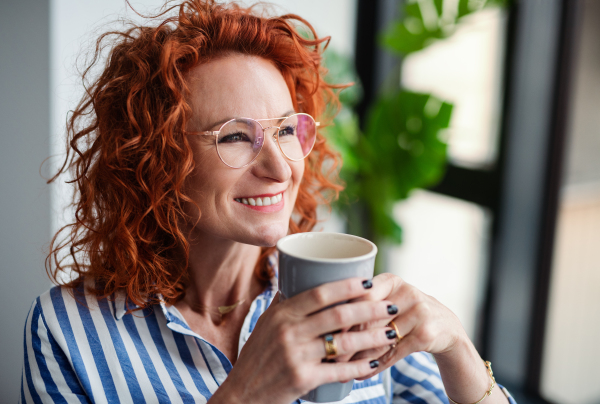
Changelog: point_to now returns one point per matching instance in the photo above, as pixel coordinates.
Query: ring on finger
(330, 346)
(398, 335)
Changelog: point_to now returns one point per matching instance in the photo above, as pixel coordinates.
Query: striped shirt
(97, 353)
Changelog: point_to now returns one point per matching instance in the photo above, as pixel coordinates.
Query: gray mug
(307, 260)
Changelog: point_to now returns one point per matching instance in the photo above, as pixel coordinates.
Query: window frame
(521, 189)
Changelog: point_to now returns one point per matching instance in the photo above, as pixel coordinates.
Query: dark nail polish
(392, 309)
(374, 364)
(391, 334)
(367, 284)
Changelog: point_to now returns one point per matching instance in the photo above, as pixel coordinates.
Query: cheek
(210, 184)
(298, 171)
(297, 175)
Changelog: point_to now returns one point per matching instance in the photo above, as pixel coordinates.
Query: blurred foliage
(401, 147)
(425, 21)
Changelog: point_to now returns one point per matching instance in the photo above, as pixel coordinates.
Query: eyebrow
(221, 122)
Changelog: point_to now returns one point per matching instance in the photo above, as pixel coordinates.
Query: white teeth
(264, 201)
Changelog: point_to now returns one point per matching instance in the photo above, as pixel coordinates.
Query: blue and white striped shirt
(96, 353)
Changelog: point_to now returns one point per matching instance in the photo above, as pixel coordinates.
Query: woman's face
(231, 87)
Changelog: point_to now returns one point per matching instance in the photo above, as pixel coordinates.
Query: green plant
(401, 147)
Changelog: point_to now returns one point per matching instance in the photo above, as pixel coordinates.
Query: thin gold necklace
(227, 309)
(219, 310)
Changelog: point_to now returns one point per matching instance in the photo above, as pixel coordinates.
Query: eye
(287, 130)
(234, 138)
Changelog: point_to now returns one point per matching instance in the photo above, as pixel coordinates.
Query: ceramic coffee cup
(307, 260)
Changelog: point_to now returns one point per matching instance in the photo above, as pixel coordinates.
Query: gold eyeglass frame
(215, 133)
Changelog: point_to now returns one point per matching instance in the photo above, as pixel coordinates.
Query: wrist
(225, 394)
(461, 348)
(488, 393)
(463, 372)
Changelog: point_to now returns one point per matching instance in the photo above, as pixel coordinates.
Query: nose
(271, 163)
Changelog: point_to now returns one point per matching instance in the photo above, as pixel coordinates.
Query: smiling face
(229, 87)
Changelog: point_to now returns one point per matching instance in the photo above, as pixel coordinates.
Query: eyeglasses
(240, 140)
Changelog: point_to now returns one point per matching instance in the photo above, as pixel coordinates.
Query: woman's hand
(282, 359)
(425, 323)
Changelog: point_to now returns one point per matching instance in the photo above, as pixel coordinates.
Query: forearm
(465, 376)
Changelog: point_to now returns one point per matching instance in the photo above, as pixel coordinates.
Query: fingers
(390, 287)
(412, 339)
(344, 371)
(351, 342)
(418, 330)
(384, 285)
(347, 315)
(375, 353)
(328, 294)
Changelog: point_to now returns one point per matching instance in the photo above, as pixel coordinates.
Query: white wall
(74, 27)
(24, 197)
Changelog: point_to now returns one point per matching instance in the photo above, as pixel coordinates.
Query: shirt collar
(121, 304)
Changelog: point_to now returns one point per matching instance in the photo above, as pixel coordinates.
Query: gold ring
(398, 335)
(330, 346)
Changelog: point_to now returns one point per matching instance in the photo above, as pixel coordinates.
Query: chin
(268, 236)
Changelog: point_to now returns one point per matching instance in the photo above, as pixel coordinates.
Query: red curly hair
(129, 156)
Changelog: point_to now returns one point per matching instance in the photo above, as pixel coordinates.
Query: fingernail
(374, 364)
(391, 334)
(392, 309)
(367, 284)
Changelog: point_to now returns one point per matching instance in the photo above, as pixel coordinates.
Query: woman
(194, 152)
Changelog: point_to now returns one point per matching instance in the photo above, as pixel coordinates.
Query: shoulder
(66, 332)
(63, 310)
(64, 300)
(51, 306)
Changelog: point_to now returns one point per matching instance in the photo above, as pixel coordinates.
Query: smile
(261, 200)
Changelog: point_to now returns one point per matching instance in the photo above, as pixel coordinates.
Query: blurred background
(472, 156)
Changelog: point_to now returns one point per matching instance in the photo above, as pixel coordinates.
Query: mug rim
(370, 254)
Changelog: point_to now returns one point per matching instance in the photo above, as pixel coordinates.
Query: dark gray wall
(24, 196)
(528, 130)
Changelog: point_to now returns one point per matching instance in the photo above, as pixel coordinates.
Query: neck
(221, 273)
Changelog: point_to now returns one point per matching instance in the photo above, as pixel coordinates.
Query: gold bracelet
(488, 365)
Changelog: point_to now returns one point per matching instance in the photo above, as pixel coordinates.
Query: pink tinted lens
(297, 135)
